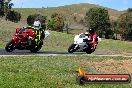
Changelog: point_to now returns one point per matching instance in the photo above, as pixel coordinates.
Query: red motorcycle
(24, 39)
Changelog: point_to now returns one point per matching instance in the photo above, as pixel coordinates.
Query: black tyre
(88, 50)
(36, 48)
(9, 46)
(71, 48)
(81, 80)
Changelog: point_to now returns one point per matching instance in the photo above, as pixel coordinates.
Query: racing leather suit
(94, 40)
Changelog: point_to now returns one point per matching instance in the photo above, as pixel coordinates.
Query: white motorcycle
(81, 43)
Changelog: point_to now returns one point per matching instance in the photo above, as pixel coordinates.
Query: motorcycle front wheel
(9, 46)
(71, 48)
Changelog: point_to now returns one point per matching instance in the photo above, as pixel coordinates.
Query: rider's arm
(34, 24)
(94, 39)
(39, 24)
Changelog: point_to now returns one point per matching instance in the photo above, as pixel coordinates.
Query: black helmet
(91, 30)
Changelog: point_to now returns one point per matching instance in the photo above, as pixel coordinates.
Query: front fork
(76, 47)
(16, 41)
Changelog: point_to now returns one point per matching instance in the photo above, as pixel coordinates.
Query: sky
(114, 4)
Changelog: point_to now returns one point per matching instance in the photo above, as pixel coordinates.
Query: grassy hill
(69, 11)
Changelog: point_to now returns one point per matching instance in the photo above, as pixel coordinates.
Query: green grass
(109, 46)
(48, 72)
(58, 41)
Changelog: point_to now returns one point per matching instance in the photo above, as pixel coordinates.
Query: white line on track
(65, 55)
(110, 55)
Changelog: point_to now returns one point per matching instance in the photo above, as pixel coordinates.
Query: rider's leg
(42, 34)
(93, 47)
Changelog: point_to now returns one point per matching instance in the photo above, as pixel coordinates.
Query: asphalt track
(49, 53)
(28, 53)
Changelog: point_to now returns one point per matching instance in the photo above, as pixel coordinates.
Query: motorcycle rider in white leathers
(37, 24)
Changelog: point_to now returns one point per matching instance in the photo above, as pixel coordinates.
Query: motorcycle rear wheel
(9, 46)
(37, 48)
(89, 51)
(71, 48)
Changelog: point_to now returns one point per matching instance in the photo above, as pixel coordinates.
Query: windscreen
(82, 36)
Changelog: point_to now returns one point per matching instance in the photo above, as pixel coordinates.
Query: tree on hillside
(5, 10)
(98, 19)
(5, 6)
(2, 13)
(56, 23)
(129, 10)
(125, 25)
(13, 16)
(114, 28)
